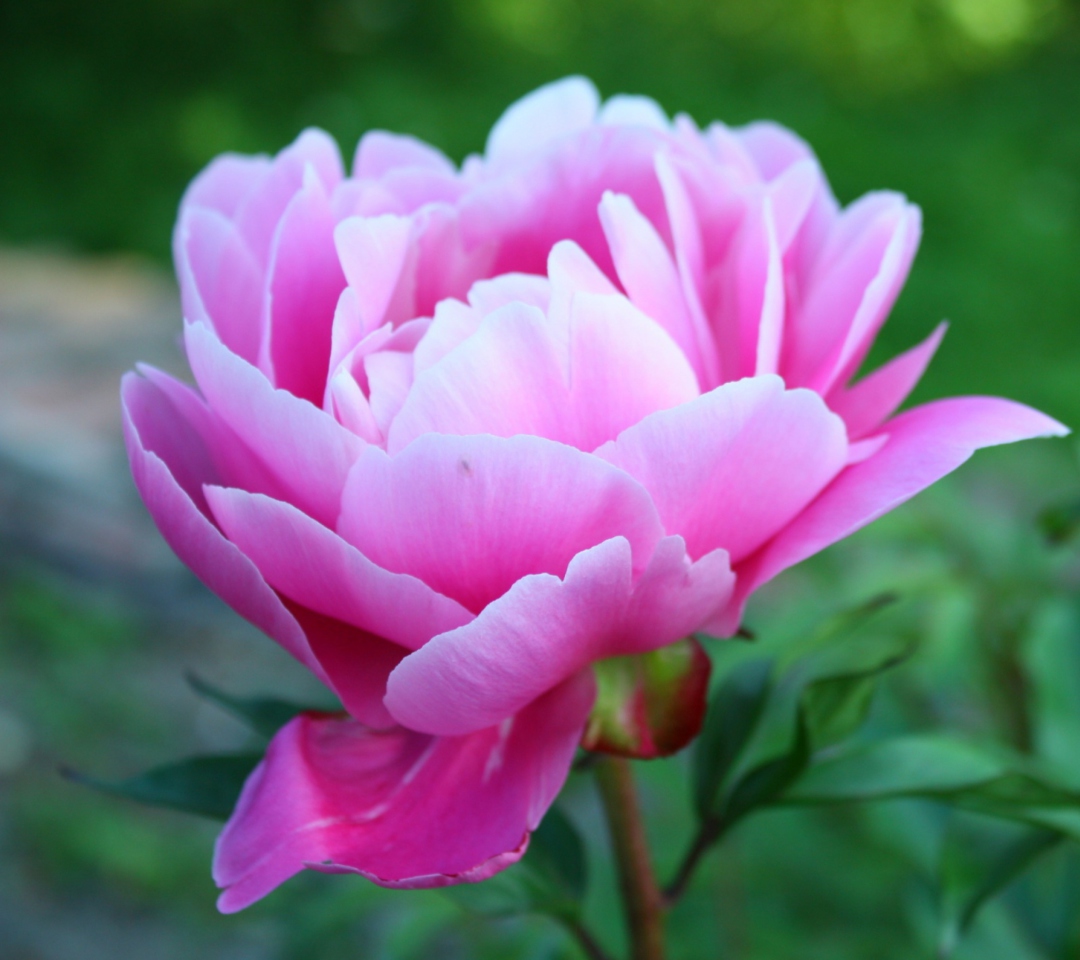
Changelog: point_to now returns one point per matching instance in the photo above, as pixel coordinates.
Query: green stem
(642, 899)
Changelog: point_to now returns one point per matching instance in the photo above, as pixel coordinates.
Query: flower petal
(472, 515)
(730, 469)
(162, 438)
(400, 808)
(924, 444)
(380, 152)
(874, 398)
(307, 450)
(544, 630)
(542, 117)
(314, 567)
(304, 282)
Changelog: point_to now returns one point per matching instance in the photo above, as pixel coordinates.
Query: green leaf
(767, 781)
(934, 767)
(264, 715)
(208, 786)
(734, 711)
(551, 878)
(976, 866)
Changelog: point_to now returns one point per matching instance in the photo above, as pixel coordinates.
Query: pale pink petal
(774, 148)
(304, 282)
(221, 283)
(315, 568)
(400, 808)
(373, 252)
(518, 375)
(225, 183)
(472, 515)
(924, 445)
(867, 404)
(541, 117)
(649, 275)
(488, 295)
(453, 324)
(849, 288)
(380, 152)
(390, 375)
(257, 217)
(161, 438)
(546, 629)
(348, 404)
(504, 380)
(730, 469)
(793, 194)
(307, 450)
(623, 109)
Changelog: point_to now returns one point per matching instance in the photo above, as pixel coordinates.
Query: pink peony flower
(461, 433)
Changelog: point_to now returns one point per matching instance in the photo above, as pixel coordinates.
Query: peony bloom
(461, 433)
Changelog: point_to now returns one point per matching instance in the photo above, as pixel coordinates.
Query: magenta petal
(544, 630)
(303, 285)
(316, 568)
(866, 405)
(307, 450)
(400, 808)
(470, 516)
(730, 469)
(157, 436)
(924, 445)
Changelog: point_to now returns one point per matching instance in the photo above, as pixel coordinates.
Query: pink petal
(730, 469)
(307, 451)
(514, 376)
(315, 568)
(161, 438)
(623, 109)
(380, 152)
(373, 253)
(304, 282)
(924, 445)
(541, 117)
(390, 375)
(472, 515)
(773, 147)
(225, 183)
(400, 808)
(221, 282)
(650, 277)
(869, 402)
(257, 217)
(544, 630)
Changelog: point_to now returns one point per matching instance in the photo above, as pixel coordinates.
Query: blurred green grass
(971, 107)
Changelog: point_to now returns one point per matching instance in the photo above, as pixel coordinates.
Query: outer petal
(866, 405)
(545, 630)
(316, 568)
(225, 183)
(398, 807)
(731, 468)
(924, 445)
(158, 435)
(307, 450)
(543, 116)
(380, 152)
(470, 516)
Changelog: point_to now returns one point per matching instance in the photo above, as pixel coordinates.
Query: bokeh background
(971, 107)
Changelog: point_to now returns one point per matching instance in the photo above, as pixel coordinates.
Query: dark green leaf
(767, 781)
(976, 866)
(734, 711)
(208, 786)
(551, 877)
(265, 715)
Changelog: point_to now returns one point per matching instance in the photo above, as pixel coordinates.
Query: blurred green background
(971, 107)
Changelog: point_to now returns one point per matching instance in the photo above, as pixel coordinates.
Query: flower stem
(642, 898)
